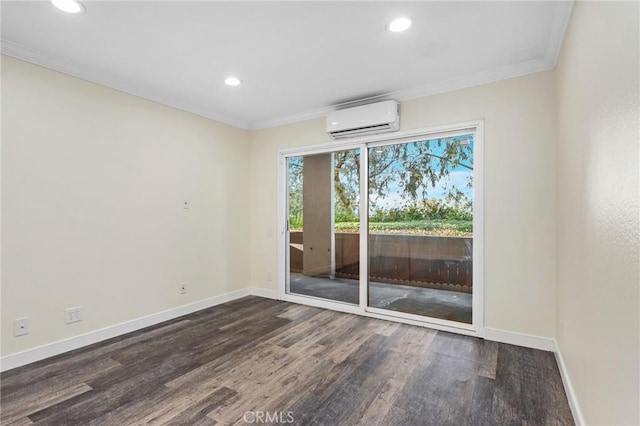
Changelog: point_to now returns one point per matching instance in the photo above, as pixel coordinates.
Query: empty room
(320, 213)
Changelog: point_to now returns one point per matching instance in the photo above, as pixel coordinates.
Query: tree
(412, 169)
(346, 177)
(295, 191)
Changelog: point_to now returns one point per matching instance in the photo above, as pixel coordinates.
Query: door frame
(476, 328)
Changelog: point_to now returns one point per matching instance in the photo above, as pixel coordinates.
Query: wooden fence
(415, 260)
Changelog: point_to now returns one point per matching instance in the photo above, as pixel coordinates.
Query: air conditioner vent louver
(369, 119)
(367, 130)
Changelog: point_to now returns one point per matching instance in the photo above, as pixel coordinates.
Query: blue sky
(458, 177)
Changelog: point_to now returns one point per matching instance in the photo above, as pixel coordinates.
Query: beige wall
(93, 182)
(519, 192)
(598, 226)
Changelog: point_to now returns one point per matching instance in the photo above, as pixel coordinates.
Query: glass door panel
(323, 231)
(420, 231)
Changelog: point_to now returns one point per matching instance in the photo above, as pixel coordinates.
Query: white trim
(264, 292)
(282, 237)
(549, 61)
(568, 388)
(377, 313)
(321, 148)
(318, 302)
(333, 215)
(387, 141)
(425, 324)
(520, 339)
(56, 63)
(48, 350)
(557, 31)
(352, 143)
(478, 79)
(37, 57)
(432, 321)
(363, 271)
(545, 344)
(477, 255)
(52, 349)
(475, 127)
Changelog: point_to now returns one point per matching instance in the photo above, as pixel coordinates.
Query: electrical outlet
(183, 288)
(72, 315)
(21, 326)
(269, 276)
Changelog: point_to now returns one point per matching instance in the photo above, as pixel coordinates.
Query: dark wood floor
(255, 359)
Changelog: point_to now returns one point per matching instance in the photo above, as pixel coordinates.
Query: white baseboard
(56, 348)
(52, 349)
(520, 339)
(545, 344)
(263, 292)
(568, 388)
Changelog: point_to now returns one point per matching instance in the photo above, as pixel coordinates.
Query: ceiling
(297, 60)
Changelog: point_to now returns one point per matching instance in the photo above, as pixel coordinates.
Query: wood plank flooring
(257, 361)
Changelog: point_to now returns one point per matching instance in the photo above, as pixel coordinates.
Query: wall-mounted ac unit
(380, 117)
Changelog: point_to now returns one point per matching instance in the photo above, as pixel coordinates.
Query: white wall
(93, 182)
(519, 192)
(598, 226)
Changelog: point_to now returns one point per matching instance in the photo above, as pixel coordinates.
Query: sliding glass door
(420, 227)
(386, 228)
(323, 228)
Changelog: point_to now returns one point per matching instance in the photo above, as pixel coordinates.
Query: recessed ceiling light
(399, 25)
(232, 81)
(69, 6)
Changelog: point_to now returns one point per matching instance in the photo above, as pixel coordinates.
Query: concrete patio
(435, 303)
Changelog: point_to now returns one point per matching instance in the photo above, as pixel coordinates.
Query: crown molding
(463, 82)
(547, 62)
(558, 31)
(37, 57)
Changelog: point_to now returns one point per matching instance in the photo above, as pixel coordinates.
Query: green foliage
(429, 209)
(295, 191)
(442, 227)
(417, 167)
(295, 221)
(343, 215)
(411, 170)
(346, 178)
